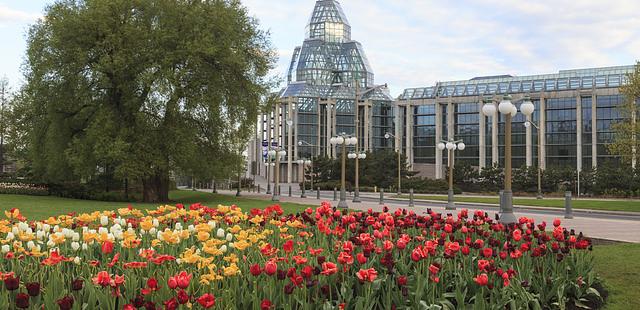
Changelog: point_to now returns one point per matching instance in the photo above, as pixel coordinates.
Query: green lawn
(606, 205)
(41, 207)
(619, 266)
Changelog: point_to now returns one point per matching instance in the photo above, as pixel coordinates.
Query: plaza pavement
(615, 226)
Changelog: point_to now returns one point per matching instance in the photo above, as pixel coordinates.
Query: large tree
(627, 131)
(138, 89)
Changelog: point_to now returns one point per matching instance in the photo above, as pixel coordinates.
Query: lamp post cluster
(276, 153)
(509, 110)
(451, 146)
(357, 155)
(343, 140)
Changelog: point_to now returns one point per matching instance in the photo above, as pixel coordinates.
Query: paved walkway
(615, 227)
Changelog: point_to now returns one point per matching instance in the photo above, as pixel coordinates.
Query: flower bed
(199, 257)
(23, 189)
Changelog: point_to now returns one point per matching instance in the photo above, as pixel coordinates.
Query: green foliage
(625, 143)
(138, 89)
(379, 169)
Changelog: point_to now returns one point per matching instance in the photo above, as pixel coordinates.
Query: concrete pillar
(367, 127)
(328, 126)
(290, 129)
(409, 141)
(438, 137)
(334, 122)
(319, 131)
(398, 134)
(578, 133)
(594, 131)
(269, 137)
(482, 143)
(495, 151)
(543, 133)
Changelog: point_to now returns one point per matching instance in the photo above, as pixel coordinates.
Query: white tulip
(23, 226)
(46, 227)
(84, 246)
(223, 248)
(31, 245)
(15, 230)
(76, 260)
(229, 237)
(85, 229)
(102, 230)
(75, 246)
(10, 236)
(212, 224)
(50, 244)
(220, 233)
(178, 226)
(191, 228)
(75, 237)
(5, 248)
(152, 231)
(40, 234)
(156, 223)
(104, 220)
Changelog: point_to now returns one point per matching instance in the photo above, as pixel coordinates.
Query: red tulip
(171, 304)
(345, 258)
(102, 278)
(465, 250)
(206, 301)
(265, 304)
(361, 258)
(433, 269)
(307, 272)
(255, 270)
(288, 246)
(367, 275)
(22, 301)
(65, 303)
(183, 279)
(172, 283)
(517, 235)
(270, 268)
(556, 222)
(33, 289)
(128, 307)
(77, 284)
(482, 279)
(487, 252)
(329, 268)
(402, 280)
(183, 297)
(11, 283)
(107, 247)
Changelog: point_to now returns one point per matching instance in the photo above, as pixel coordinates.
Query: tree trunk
(155, 188)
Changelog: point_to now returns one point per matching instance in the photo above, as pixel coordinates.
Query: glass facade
(607, 114)
(561, 132)
(587, 127)
(467, 129)
(424, 134)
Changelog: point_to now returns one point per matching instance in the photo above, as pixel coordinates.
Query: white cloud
(418, 42)
(8, 15)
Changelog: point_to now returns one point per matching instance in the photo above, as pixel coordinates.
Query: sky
(413, 43)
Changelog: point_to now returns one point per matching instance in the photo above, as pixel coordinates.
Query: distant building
(574, 110)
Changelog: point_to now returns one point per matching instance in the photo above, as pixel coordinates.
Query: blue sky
(413, 43)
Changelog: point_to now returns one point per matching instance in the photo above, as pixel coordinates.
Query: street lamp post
(344, 140)
(268, 165)
(277, 153)
(303, 163)
(357, 156)
(509, 110)
(451, 145)
(309, 162)
(527, 124)
(388, 136)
